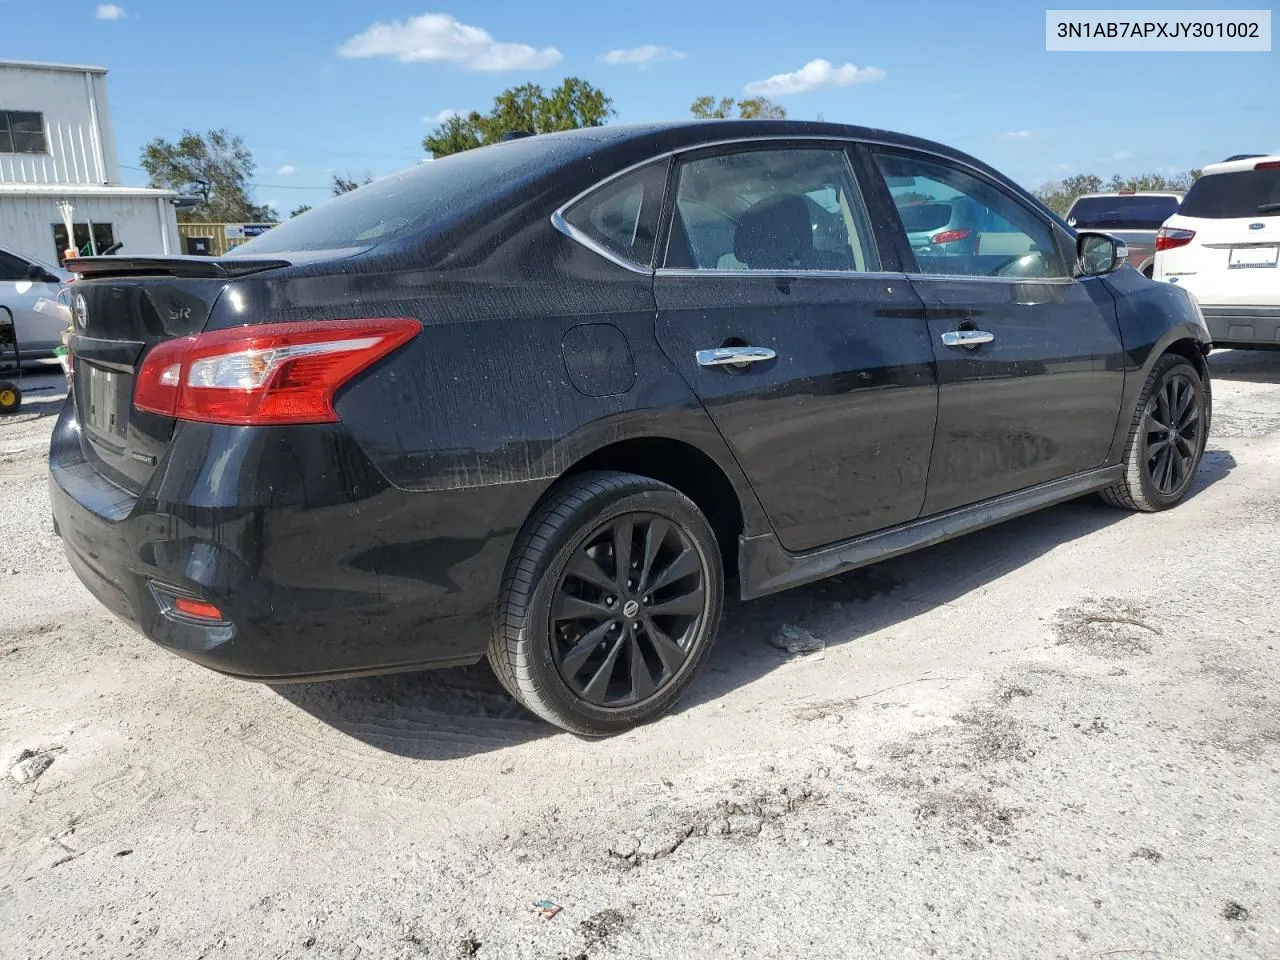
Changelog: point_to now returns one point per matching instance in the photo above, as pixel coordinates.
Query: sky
(319, 87)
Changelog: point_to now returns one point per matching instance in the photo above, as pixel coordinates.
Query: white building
(57, 147)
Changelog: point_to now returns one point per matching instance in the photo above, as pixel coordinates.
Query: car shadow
(1245, 366)
(446, 714)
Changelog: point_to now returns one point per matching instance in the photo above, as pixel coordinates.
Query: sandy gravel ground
(1056, 739)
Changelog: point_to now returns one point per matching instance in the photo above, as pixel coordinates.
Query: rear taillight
(1267, 165)
(1170, 237)
(267, 374)
(948, 236)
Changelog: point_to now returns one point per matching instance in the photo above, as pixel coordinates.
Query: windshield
(1226, 196)
(1119, 213)
(400, 205)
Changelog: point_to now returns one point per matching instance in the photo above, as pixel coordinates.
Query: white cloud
(814, 75)
(110, 11)
(440, 38)
(1121, 155)
(1016, 135)
(641, 56)
(288, 170)
(439, 118)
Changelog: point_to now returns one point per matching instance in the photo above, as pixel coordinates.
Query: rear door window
(621, 216)
(1230, 196)
(791, 209)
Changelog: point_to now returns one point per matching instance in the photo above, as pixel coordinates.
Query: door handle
(966, 338)
(728, 356)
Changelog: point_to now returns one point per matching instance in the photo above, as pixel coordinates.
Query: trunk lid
(122, 307)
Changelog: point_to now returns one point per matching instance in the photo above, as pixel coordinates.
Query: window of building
(102, 234)
(22, 131)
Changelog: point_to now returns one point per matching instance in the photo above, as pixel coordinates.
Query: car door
(38, 331)
(1029, 357)
(809, 351)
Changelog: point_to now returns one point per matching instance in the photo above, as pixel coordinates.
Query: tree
(751, 108)
(526, 108)
(215, 168)
(298, 210)
(1058, 195)
(341, 183)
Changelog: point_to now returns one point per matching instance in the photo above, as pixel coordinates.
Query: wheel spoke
(623, 529)
(1166, 470)
(641, 680)
(654, 536)
(1186, 399)
(581, 651)
(569, 607)
(598, 686)
(682, 566)
(584, 567)
(686, 605)
(1157, 446)
(669, 652)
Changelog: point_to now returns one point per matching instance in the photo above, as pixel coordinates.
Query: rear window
(434, 192)
(1228, 196)
(919, 217)
(1119, 213)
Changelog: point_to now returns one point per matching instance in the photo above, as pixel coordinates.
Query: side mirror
(1099, 253)
(38, 274)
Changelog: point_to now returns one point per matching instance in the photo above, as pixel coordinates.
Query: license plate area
(106, 405)
(1253, 258)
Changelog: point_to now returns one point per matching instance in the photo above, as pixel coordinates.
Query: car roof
(1233, 166)
(1133, 193)
(657, 138)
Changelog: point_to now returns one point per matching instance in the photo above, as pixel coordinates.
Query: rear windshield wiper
(1269, 208)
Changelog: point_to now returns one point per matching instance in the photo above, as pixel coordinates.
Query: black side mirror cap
(1099, 253)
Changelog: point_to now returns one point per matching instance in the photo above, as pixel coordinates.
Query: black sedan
(539, 401)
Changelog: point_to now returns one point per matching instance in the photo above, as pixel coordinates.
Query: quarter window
(622, 215)
(780, 209)
(960, 225)
(22, 131)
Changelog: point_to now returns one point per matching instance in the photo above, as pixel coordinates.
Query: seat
(776, 233)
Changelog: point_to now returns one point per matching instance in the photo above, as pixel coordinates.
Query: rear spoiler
(227, 268)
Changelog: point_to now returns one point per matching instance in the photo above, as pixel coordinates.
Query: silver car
(24, 283)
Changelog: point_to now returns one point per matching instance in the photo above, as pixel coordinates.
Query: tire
(10, 398)
(1146, 486)
(574, 643)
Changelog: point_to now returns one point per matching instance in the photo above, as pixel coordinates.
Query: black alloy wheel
(1171, 434)
(626, 609)
(610, 603)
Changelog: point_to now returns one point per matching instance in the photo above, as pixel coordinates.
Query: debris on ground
(28, 765)
(547, 909)
(796, 640)
(1234, 911)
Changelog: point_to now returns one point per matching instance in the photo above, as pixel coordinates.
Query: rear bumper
(1253, 327)
(322, 570)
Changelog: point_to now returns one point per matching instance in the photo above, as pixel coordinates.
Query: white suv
(1223, 245)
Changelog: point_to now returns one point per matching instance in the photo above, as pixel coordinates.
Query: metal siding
(68, 101)
(26, 223)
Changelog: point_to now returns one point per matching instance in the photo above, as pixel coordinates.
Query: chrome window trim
(558, 221)
(788, 274)
(577, 236)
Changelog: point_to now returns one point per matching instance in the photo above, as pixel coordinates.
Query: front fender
(1152, 318)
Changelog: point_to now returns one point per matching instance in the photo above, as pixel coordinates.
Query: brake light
(948, 236)
(1167, 238)
(267, 374)
(1267, 165)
